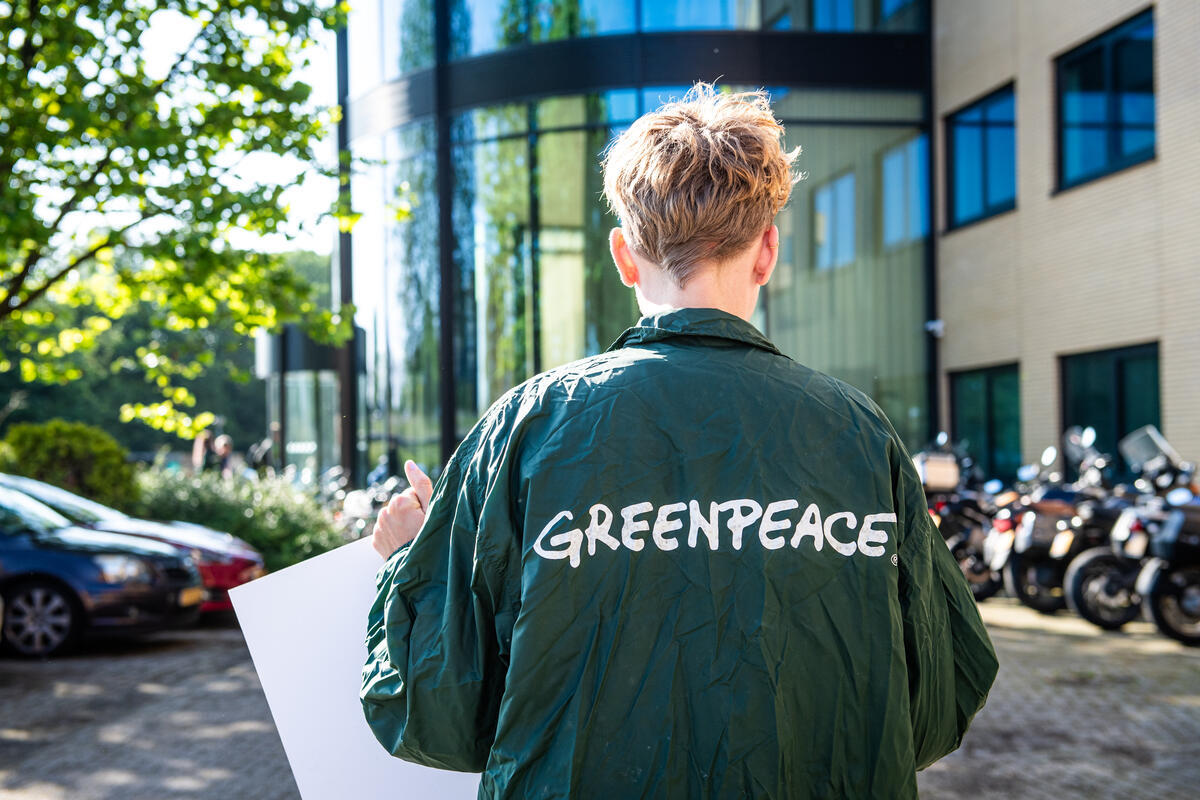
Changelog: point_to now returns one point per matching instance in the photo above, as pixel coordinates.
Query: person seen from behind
(689, 566)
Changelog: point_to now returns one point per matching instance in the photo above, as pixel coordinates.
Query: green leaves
(125, 128)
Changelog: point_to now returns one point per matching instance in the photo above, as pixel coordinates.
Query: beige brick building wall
(1109, 263)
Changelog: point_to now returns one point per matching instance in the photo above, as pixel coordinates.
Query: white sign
(305, 627)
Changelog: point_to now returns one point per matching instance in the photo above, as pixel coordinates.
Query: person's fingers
(420, 482)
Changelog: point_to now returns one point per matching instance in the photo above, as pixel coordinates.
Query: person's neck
(706, 289)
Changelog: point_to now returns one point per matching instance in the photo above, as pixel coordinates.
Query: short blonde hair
(699, 179)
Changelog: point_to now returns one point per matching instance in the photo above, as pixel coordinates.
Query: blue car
(60, 582)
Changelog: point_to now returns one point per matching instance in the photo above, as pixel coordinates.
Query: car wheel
(41, 618)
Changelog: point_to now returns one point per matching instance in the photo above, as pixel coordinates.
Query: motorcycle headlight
(121, 569)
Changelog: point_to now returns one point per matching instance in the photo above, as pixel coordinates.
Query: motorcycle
(961, 511)
(1169, 581)
(1101, 582)
(1054, 522)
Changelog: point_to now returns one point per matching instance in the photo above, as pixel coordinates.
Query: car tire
(42, 618)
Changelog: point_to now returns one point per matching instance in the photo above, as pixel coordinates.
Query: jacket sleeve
(951, 663)
(439, 631)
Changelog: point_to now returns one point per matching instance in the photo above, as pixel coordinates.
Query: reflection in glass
(362, 28)
(534, 282)
(484, 26)
(412, 284)
(1106, 102)
(567, 19)
(905, 201)
(407, 29)
(481, 26)
(582, 303)
(492, 253)
(370, 306)
(861, 322)
(833, 222)
(698, 14)
(833, 15)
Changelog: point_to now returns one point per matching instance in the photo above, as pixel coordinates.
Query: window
(1106, 103)
(1114, 391)
(833, 15)
(982, 158)
(890, 8)
(833, 222)
(905, 201)
(985, 407)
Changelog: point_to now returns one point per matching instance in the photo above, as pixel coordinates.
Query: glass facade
(985, 414)
(1114, 391)
(396, 288)
(1106, 102)
(981, 158)
(530, 283)
(484, 26)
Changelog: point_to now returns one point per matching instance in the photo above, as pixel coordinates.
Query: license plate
(1135, 545)
(191, 596)
(1062, 544)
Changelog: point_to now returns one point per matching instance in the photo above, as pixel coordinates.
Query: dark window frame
(948, 122)
(989, 416)
(1116, 162)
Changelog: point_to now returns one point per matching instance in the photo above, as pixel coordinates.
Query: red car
(224, 560)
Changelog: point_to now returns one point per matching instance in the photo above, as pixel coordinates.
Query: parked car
(60, 582)
(225, 561)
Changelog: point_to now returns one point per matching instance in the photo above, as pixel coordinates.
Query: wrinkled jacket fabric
(688, 567)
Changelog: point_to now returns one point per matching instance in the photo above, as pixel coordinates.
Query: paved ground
(1075, 714)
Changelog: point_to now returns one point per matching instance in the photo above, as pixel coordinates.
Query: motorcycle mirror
(942, 439)
(993, 486)
(1026, 473)
(1049, 455)
(1088, 437)
(1180, 497)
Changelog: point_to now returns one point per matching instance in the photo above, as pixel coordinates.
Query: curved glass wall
(390, 38)
(396, 288)
(526, 225)
(484, 26)
(537, 287)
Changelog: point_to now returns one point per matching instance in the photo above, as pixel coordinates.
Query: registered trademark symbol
(895, 560)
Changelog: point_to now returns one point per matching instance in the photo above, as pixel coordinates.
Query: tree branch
(31, 259)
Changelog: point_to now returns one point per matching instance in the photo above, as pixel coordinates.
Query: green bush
(277, 519)
(75, 456)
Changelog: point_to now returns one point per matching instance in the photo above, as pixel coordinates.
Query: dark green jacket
(688, 567)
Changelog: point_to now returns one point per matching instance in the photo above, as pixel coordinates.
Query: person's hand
(402, 517)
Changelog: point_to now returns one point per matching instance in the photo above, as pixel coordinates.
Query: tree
(128, 178)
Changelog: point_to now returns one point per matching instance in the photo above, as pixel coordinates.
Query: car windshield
(78, 509)
(20, 512)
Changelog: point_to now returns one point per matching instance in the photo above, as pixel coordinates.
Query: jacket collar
(704, 322)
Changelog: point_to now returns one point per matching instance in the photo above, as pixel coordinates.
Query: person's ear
(622, 257)
(768, 256)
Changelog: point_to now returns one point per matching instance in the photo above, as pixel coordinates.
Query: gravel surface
(1076, 713)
